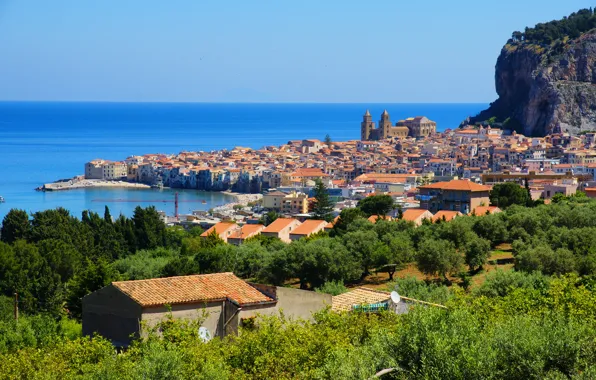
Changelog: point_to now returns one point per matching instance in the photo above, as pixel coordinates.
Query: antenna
(395, 298)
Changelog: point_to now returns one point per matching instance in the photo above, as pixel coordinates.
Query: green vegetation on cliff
(546, 33)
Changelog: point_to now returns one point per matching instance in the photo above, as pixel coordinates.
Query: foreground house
(120, 310)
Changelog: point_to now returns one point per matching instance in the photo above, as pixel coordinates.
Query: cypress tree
(323, 206)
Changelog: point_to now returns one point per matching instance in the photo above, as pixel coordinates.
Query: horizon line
(223, 102)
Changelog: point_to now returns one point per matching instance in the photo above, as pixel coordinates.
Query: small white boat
(2, 199)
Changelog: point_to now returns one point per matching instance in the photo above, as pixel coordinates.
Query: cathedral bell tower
(384, 125)
(366, 127)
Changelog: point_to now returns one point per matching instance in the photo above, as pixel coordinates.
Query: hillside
(545, 78)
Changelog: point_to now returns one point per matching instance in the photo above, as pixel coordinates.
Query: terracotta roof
(309, 226)
(279, 224)
(457, 184)
(276, 193)
(219, 228)
(358, 296)
(375, 218)
(247, 231)
(449, 215)
(412, 214)
(191, 289)
(482, 210)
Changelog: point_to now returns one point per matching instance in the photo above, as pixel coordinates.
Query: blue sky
(260, 51)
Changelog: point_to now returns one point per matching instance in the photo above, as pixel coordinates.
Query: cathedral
(419, 126)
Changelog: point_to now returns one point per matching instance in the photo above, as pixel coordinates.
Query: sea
(41, 142)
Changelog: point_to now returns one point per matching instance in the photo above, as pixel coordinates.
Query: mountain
(546, 78)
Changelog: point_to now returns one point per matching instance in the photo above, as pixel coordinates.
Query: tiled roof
(219, 228)
(358, 296)
(447, 214)
(375, 218)
(309, 226)
(482, 210)
(458, 185)
(249, 230)
(191, 289)
(279, 224)
(412, 214)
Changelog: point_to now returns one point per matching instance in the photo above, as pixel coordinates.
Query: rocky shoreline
(77, 183)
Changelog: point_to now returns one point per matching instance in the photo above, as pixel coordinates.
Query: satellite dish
(204, 334)
(395, 298)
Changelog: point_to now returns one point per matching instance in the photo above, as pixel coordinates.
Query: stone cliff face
(543, 91)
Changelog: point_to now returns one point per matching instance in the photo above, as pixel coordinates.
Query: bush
(334, 288)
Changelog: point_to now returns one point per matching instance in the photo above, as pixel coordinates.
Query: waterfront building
(106, 170)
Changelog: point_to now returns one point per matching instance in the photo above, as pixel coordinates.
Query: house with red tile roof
(375, 218)
(446, 215)
(457, 195)
(416, 215)
(281, 229)
(485, 210)
(247, 231)
(222, 229)
(307, 228)
(120, 310)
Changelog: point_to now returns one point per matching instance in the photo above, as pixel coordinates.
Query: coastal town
(420, 168)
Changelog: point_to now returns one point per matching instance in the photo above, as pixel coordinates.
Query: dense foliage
(547, 33)
(54, 259)
(546, 332)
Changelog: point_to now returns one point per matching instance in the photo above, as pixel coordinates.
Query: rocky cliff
(546, 88)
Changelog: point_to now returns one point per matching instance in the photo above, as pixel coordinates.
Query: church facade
(419, 126)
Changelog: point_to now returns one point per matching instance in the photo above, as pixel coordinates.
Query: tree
(15, 226)
(323, 206)
(399, 252)
(346, 218)
(362, 245)
(328, 140)
(269, 218)
(95, 276)
(506, 194)
(148, 227)
(377, 205)
(107, 216)
(438, 257)
(477, 252)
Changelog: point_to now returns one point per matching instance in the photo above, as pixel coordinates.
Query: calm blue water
(42, 142)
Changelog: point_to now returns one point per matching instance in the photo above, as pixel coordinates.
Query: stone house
(122, 310)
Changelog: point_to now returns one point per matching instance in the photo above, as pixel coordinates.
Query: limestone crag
(546, 89)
